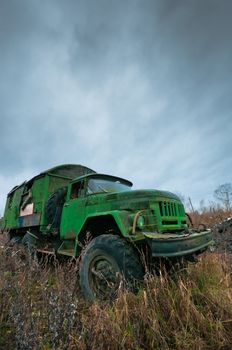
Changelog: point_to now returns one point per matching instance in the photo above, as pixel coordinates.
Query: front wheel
(105, 261)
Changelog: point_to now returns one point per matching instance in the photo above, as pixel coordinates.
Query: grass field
(42, 308)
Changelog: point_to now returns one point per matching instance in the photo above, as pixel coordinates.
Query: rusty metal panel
(29, 220)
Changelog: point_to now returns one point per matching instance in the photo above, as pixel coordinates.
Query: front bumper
(176, 245)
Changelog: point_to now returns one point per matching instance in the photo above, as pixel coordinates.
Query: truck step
(68, 252)
(67, 248)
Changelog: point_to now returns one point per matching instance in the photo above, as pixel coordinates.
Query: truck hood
(146, 194)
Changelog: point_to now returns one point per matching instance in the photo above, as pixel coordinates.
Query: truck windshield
(103, 185)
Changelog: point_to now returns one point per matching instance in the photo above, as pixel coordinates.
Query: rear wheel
(15, 241)
(12, 244)
(106, 261)
(29, 242)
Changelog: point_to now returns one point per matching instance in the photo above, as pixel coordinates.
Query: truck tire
(14, 241)
(54, 205)
(106, 260)
(12, 244)
(29, 243)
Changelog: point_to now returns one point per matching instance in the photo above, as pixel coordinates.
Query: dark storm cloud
(141, 89)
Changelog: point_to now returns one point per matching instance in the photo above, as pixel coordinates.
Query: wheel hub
(104, 276)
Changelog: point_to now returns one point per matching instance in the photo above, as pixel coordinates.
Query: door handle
(66, 205)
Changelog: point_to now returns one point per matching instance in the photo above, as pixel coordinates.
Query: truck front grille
(171, 209)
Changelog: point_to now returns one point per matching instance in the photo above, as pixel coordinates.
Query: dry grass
(42, 308)
(210, 218)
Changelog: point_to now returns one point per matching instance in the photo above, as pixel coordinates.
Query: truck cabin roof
(68, 171)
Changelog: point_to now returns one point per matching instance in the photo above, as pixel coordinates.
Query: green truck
(72, 210)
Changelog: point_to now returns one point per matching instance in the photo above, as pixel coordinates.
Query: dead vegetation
(220, 222)
(41, 308)
(210, 217)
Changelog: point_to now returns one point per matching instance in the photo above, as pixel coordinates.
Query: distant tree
(214, 206)
(202, 206)
(224, 194)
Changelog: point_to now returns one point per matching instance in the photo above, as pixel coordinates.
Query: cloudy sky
(136, 88)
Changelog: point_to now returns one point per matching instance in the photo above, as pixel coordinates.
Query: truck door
(73, 213)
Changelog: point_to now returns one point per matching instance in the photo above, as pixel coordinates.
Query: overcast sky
(140, 89)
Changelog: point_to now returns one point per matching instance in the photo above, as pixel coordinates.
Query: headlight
(140, 222)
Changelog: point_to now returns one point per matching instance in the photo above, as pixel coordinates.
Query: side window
(77, 190)
(26, 199)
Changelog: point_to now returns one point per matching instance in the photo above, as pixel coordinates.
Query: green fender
(121, 218)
